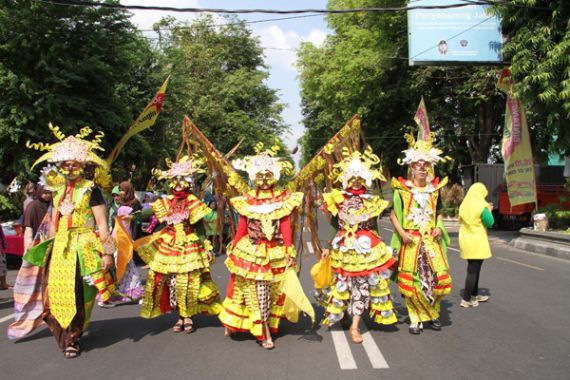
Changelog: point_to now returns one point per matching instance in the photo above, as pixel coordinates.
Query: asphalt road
(521, 333)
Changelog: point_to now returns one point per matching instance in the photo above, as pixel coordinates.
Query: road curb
(545, 243)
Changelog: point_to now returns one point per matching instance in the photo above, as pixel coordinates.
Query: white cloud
(280, 45)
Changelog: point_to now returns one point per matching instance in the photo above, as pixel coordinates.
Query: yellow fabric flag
(145, 120)
(124, 247)
(295, 299)
(516, 149)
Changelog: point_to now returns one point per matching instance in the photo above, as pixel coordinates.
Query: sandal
(179, 326)
(268, 344)
(71, 352)
(228, 332)
(188, 326)
(355, 335)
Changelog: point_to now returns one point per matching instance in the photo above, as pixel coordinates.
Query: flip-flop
(179, 326)
(189, 327)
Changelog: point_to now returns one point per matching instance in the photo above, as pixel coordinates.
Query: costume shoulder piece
(160, 207)
(438, 184)
(333, 200)
(273, 209)
(197, 209)
(399, 184)
(375, 205)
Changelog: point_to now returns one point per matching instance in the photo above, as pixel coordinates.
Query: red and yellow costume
(360, 261)
(179, 275)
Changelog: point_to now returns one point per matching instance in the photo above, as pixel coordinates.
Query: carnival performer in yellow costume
(420, 237)
(178, 255)
(261, 251)
(360, 261)
(76, 262)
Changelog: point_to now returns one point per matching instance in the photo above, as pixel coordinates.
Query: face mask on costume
(71, 169)
(264, 180)
(179, 185)
(356, 183)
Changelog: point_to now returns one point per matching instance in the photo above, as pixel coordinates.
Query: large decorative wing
(226, 181)
(315, 176)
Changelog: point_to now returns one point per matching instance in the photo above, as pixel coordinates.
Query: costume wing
(315, 175)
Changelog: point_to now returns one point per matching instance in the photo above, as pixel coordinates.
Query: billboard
(462, 32)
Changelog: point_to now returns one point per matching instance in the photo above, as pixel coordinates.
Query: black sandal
(179, 326)
(71, 352)
(189, 327)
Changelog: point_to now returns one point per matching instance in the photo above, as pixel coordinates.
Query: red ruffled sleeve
(241, 229)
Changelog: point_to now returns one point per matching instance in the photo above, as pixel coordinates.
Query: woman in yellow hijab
(474, 218)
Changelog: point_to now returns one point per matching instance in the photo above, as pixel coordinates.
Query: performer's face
(264, 180)
(420, 169)
(71, 169)
(356, 183)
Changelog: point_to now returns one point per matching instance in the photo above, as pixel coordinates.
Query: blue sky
(278, 38)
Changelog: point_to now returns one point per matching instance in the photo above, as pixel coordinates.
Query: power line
(464, 3)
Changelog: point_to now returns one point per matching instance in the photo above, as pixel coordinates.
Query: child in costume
(420, 237)
(178, 256)
(76, 262)
(261, 250)
(360, 261)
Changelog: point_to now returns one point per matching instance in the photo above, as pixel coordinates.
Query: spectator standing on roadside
(34, 215)
(474, 218)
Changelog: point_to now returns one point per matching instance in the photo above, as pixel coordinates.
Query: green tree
(73, 66)
(218, 80)
(538, 47)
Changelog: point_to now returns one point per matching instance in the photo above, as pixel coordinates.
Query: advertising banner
(452, 31)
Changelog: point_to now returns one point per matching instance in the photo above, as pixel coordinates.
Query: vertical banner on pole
(516, 149)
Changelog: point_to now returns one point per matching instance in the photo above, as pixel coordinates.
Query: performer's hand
(107, 262)
(325, 253)
(210, 256)
(490, 206)
(436, 233)
(407, 238)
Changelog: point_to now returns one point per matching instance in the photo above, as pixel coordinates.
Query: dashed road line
(372, 350)
(342, 348)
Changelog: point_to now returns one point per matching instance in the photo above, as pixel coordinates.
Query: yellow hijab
(473, 203)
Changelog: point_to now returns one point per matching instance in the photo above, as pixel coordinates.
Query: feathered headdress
(264, 160)
(71, 148)
(364, 165)
(421, 150)
(182, 170)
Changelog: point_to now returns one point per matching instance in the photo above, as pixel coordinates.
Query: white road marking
(342, 348)
(519, 263)
(453, 249)
(7, 318)
(387, 229)
(372, 350)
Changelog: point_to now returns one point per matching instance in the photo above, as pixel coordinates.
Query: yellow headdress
(421, 150)
(264, 160)
(182, 170)
(71, 148)
(364, 165)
